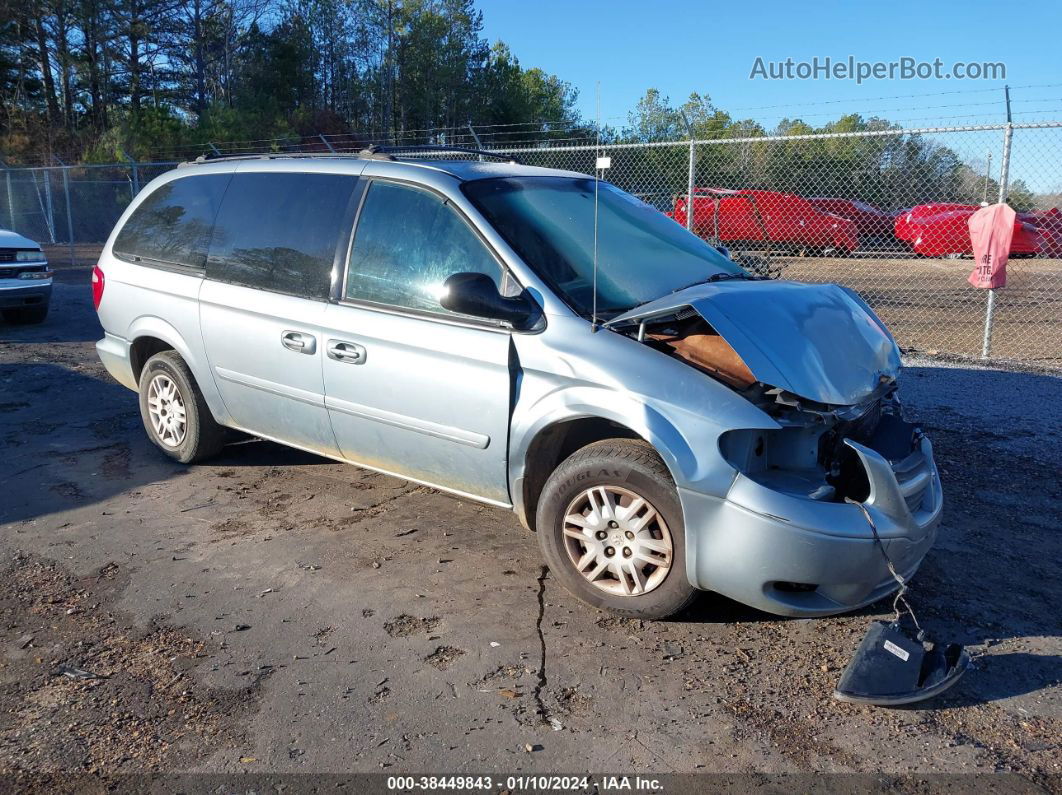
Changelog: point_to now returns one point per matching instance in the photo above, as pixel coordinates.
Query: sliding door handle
(347, 352)
(299, 342)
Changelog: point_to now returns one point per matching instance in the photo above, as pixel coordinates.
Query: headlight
(29, 256)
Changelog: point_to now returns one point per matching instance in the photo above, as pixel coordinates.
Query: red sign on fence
(991, 232)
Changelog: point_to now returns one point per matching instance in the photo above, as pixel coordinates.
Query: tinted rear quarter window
(172, 226)
(280, 231)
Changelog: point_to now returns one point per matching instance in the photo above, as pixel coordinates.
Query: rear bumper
(19, 294)
(795, 556)
(114, 353)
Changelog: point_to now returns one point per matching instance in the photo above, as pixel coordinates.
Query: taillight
(97, 287)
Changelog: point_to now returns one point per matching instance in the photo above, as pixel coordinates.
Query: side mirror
(476, 294)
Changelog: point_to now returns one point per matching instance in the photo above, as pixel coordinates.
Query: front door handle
(299, 342)
(348, 352)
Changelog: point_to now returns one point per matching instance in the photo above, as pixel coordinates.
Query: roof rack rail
(210, 157)
(384, 152)
(375, 151)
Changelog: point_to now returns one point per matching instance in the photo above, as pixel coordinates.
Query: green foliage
(164, 79)
(155, 78)
(893, 170)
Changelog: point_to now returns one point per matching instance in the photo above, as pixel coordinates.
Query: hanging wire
(900, 597)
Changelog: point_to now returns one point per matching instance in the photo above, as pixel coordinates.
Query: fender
(152, 326)
(580, 402)
(686, 442)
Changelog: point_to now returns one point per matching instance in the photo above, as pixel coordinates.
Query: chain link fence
(884, 212)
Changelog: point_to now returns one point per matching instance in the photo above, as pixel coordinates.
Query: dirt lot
(273, 611)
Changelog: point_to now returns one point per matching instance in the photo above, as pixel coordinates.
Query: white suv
(25, 280)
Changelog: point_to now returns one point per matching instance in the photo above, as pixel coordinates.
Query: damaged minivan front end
(786, 537)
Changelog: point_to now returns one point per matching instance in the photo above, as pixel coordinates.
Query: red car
(871, 222)
(742, 217)
(906, 223)
(1049, 220)
(941, 230)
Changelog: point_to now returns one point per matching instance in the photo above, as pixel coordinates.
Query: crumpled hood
(14, 240)
(818, 341)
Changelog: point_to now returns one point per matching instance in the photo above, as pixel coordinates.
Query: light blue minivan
(538, 341)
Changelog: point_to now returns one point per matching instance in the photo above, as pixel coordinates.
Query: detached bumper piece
(890, 668)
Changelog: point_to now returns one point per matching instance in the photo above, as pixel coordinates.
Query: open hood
(818, 341)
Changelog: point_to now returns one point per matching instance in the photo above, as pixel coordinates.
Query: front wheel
(610, 527)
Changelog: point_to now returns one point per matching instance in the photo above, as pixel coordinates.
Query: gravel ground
(277, 612)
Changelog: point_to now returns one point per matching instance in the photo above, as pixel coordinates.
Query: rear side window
(280, 232)
(407, 243)
(172, 226)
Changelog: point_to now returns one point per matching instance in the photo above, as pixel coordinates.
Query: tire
(26, 316)
(620, 470)
(166, 387)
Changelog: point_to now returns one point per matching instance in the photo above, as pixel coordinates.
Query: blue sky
(710, 48)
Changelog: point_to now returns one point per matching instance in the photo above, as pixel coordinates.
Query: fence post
(69, 215)
(475, 137)
(689, 185)
(326, 143)
(49, 218)
(690, 175)
(1004, 177)
(10, 199)
(134, 173)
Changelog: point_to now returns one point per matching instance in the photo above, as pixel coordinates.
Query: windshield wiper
(722, 276)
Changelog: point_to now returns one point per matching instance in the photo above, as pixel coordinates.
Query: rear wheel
(174, 411)
(26, 315)
(610, 527)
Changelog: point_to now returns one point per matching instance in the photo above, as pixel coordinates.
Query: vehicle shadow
(994, 677)
(68, 440)
(714, 608)
(252, 451)
(71, 317)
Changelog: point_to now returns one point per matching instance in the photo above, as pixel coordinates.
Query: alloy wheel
(166, 410)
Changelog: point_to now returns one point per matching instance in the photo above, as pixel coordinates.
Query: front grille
(10, 254)
(13, 271)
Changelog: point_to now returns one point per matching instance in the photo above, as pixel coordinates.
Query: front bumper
(22, 294)
(795, 556)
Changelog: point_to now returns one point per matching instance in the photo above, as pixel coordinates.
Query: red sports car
(751, 217)
(941, 230)
(871, 222)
